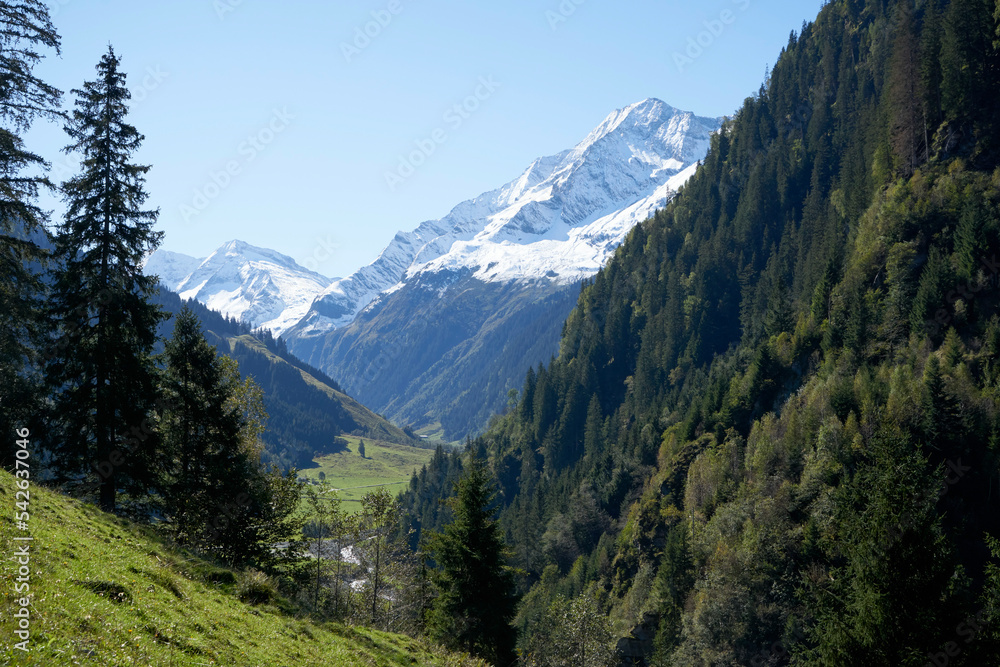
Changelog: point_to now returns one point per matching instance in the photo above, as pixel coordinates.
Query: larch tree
(476, 600)
(25, 32)
(378, 551)
(103, 377)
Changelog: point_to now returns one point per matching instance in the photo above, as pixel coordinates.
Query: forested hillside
(307, 410)
(770, 436)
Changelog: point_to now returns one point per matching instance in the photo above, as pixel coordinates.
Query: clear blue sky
(210, 74)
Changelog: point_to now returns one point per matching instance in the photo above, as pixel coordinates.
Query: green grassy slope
(385, 465)
(106, 592)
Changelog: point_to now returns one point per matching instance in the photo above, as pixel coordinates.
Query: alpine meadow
(698, 391)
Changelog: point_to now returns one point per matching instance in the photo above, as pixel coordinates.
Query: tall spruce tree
(200, 430)
(103, 375)
(476, 600)
(216, 494)
(25, 30)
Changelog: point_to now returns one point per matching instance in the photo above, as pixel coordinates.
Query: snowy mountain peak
(560, 220)
(639, 115)
(263, 287)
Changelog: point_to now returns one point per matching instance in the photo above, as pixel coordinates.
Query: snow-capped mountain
(560, 220)
(171, 267)
(451, 315)
(262, 287)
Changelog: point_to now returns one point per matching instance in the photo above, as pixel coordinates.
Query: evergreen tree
(778, 315)
(217, 495)
(965, 62)
(873, 609)
(674, 581)
(969, 241)
(103, 375)
(592, 428)
(907, 124)
(200, 431)
(25, 28)
(935, 280)
(476, 602)
(361, 448)
(930, 72)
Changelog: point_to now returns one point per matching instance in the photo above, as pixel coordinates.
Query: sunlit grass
(106, 592)
(385, 465)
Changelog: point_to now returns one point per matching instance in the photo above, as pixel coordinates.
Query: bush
(255, 588)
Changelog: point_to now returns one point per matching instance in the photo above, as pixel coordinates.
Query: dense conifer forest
(771, 434)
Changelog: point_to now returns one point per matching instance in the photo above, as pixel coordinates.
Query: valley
(445, 322)
(686, 391)
(385, 465)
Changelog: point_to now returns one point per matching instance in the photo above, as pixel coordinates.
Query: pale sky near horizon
(276, 123)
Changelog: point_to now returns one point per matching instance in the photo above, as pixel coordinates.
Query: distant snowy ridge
(172, 268)
(260, 286)
(560, 220)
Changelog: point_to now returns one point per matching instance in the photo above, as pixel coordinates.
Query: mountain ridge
(560, 219)
(260, 286)
(476, 298)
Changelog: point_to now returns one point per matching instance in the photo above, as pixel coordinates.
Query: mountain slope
(444, 350)
(771, 432)
(104, 591)
(445, 322)
(262, 287)
(172, 268)
(307, 410)
(560, 219)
